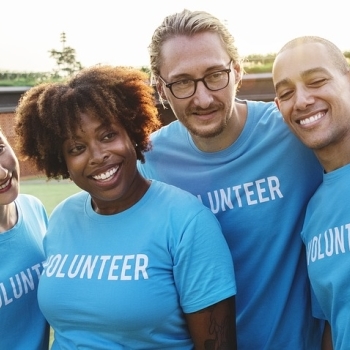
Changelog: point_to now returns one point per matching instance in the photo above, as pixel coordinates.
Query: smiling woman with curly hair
(48, 113)
(130, 263)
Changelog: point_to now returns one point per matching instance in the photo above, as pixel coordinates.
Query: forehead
(295, 61)
(87, 121)
(194, 54)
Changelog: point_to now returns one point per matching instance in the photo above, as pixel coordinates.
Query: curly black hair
(48, 113)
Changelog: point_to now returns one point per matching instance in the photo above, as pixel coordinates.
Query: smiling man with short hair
(240, 160)
(312, 82)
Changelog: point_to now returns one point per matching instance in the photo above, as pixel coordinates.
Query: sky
(118, 32)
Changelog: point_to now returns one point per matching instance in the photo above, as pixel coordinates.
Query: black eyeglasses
(186, 88)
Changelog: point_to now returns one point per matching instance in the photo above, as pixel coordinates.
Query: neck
(333, 157)
(136, 191)
(8, 217)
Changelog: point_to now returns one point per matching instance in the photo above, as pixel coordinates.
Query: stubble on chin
(202, 128)
(205, 130)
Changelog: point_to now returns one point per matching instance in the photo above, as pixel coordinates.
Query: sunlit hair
(336, 55)
(189, 23)
(48, 114)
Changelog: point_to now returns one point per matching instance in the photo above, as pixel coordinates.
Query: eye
(216, 76)
(318, 82)
(73, 148)
(109, 136)
(285, 95)
(183, 83)
(77, 149)
(2, 148)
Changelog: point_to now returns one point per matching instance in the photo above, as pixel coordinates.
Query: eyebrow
(304, 74)
(209, 70)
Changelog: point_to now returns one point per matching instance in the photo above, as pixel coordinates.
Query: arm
(327, 337)
(214, 327)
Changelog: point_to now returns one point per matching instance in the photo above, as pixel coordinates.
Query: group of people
(226, 229)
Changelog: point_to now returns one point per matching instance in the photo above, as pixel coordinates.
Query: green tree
(146, 70)
(66, 61)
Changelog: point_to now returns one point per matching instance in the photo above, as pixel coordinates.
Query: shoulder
(31, 209)
(29, 201)
(175, 198)
(71, 205)
(263, 108)
(266, 118)
(180, 211)
(174, 128)
(164, 142)
(168, 190)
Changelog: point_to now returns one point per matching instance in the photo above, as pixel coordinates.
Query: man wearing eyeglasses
(241, 161)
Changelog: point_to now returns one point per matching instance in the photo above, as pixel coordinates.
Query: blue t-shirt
(22, 325)
(326, 234)
(258, 189)
(124, 281)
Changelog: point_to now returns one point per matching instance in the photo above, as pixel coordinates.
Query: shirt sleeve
(203, 267)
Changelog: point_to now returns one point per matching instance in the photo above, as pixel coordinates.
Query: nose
(303, 98)
(203, 97)
(98, 154)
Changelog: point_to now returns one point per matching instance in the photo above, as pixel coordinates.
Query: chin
(207, 132)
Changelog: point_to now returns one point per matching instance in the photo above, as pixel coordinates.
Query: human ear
(277, 103)
(238, 73)
(278, 106)
(160, 90)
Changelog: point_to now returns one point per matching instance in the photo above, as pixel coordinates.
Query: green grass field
(49, 192)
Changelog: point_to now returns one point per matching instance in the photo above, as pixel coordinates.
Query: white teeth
(311, 119)
(106, 175)
(5, 184)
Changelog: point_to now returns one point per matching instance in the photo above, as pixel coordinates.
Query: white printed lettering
(111, 267)
(126, 266)
(19, 285)
(331, 242)
(249, 193)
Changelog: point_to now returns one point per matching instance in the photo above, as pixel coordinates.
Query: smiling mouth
(4, 185)
(312, 119)
(107, 175)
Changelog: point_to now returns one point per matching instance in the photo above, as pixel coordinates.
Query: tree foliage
(67, 65)
(66, 61)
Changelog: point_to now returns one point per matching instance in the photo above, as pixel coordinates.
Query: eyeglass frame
(169, 85)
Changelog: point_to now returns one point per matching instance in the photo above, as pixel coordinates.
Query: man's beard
(207, 133)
